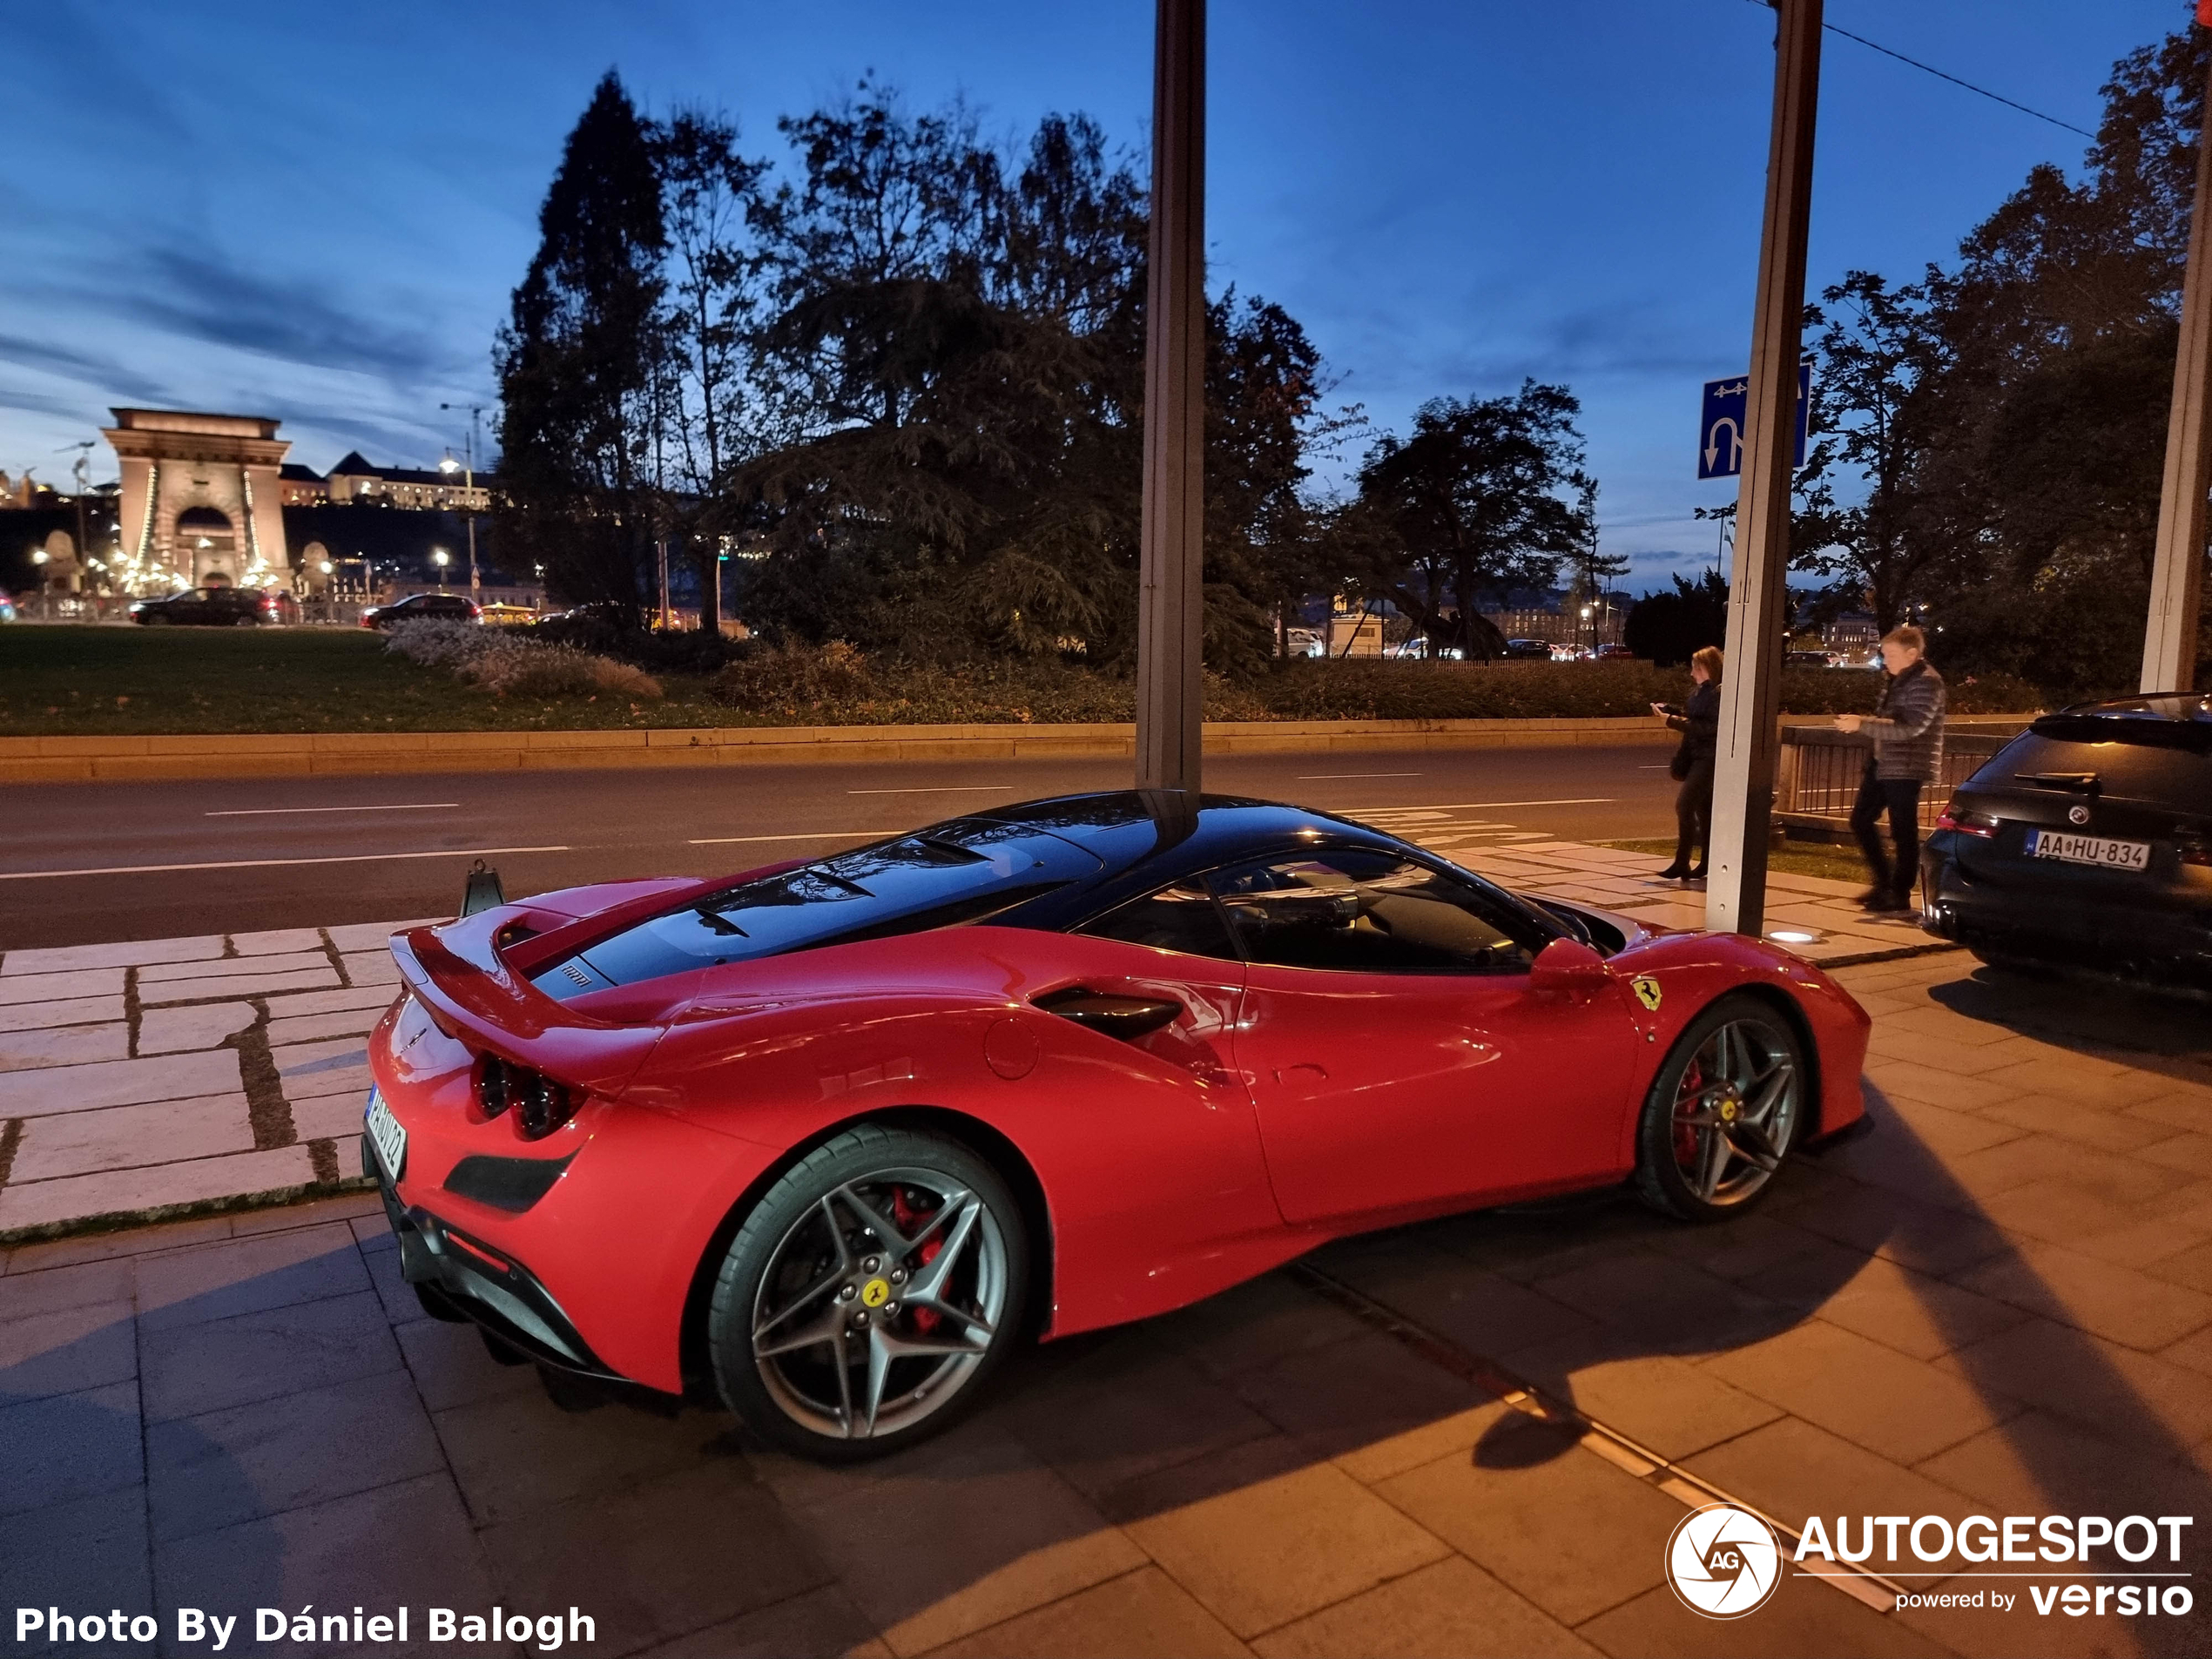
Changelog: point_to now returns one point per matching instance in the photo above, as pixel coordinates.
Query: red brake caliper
(1685, 1104)
(906, 1216)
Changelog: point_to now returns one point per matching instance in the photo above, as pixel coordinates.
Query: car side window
(1361, 910)
(1181, 917)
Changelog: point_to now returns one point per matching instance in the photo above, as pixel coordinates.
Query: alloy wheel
(1735, 1112)
(880, 1303)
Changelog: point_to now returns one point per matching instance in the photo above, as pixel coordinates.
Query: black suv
(207, 608)
(420, 607)
(2086, 842)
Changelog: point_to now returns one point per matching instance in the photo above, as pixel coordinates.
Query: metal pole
(2177, 574)
(1169, 681)
(468, 488)
(468, 505)
(1758, 594)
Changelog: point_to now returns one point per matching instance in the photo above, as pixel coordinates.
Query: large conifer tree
(580, 359)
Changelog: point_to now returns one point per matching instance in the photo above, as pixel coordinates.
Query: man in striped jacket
(1907, 729)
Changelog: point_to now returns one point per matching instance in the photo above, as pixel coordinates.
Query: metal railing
(1817, 774)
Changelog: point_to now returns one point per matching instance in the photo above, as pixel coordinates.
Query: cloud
(111, 376)
(212, 299)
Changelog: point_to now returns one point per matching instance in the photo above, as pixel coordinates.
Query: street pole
(469, 506)
(1169, 680)
(2177, 570)
(469, 493)
(1758, 592)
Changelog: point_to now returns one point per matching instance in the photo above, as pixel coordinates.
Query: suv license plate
(388, 1135)
(2088, 849)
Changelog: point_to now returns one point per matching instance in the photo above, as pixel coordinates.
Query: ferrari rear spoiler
(477, 988)
(455, 972)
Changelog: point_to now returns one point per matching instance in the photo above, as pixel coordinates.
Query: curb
(109, 1221)
(1933, 947)
(311, 754)
(114, 760)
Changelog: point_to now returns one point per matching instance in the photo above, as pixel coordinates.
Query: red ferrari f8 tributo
(825, 1139)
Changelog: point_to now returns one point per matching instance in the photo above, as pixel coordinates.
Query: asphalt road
(88, 863)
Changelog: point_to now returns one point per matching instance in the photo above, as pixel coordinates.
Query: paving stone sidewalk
(138, 1077)
(135, 1078)
(1998, 1303)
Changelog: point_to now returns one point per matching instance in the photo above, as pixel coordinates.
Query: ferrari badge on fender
(1648, 991)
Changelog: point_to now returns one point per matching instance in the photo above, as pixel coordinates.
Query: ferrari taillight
(540, 1104)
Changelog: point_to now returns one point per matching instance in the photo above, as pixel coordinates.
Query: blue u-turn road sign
(1720, 428)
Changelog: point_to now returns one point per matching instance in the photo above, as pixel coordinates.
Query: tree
(577, 358)
(2040, 417)
(1667, 627)
(960, 360)
(909, 377)
(1468, 506)
(1873, 346)
(710, 197)
(1264, 554)
(1594, 570)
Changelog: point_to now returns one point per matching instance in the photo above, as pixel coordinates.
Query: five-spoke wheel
(868, 1292)
(1724, 1112)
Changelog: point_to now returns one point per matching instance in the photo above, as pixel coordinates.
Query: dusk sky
(317, 213)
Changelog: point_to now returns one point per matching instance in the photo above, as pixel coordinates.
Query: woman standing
(1700, 725)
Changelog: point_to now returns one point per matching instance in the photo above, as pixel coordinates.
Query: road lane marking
(811, 835)
(276, 812)
(1473, 806)
(266, 863)
(937, 789)
(1326, 776)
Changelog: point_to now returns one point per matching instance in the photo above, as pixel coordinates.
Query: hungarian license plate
(2088, 849)
(388, 1135)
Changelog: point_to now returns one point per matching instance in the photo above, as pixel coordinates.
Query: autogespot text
(2034, 1540)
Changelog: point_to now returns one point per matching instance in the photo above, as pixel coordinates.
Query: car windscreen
(963, 871)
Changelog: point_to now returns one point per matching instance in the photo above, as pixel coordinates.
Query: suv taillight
(1980, 825)
(2194, 849)
(540, 1104)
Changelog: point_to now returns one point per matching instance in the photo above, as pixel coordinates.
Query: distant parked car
(604, 613)
(207, 608)
(1809, 660)
(505, 615)
(1614, 654)
(2086, 842)
(1528, 650)
(422, 607)
(7, 609)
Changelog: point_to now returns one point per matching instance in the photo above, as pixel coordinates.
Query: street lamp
(469, 486)
(440, 558)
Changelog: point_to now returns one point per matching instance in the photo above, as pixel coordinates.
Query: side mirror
(1567, 965)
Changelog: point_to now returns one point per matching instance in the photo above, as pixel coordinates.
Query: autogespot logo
(1724, 1561)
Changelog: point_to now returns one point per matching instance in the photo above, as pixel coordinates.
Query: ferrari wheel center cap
(1728, 1110)
(875, 1292)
